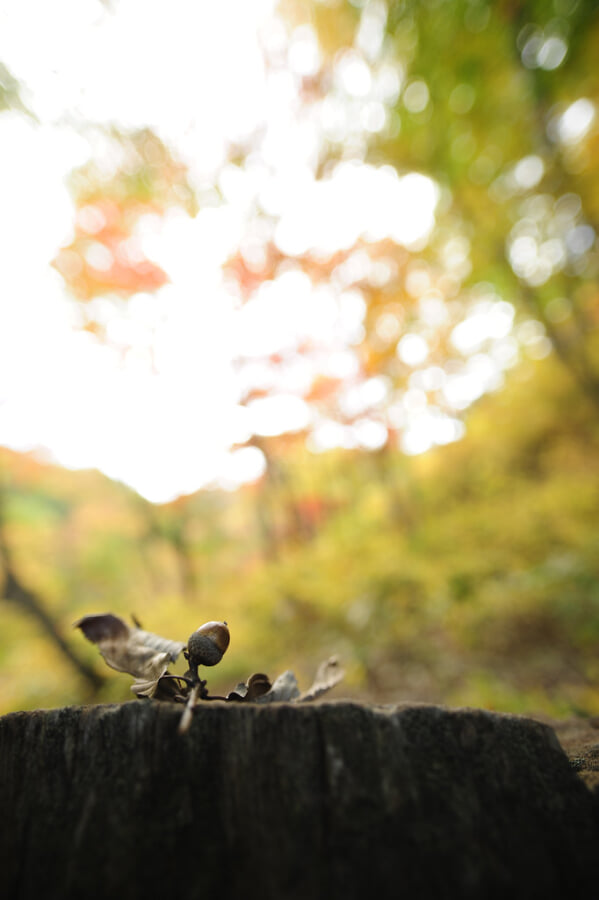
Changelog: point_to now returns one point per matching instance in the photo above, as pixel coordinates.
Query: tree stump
(293, 802)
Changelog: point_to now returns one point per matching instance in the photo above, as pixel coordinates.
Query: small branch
(187, 716)
(16, 592)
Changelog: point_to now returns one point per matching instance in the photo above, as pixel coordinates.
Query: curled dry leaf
(256, 685)
(328, 674)
(174, 688)
(147, 685)
(140, 653)
(284, 689)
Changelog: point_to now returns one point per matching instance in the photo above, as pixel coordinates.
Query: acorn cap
(208, 643)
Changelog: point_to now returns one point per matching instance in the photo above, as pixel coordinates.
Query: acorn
(207, 645)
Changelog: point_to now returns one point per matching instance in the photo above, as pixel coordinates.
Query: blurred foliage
(467, 575)
(495, 101)
(11, 93)
(132, 175)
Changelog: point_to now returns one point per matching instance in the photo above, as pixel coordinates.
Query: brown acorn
(207, 645)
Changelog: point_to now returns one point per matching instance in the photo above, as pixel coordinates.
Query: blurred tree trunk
(33, 606)
(290, 803)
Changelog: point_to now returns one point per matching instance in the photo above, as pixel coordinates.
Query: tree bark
(293, 802)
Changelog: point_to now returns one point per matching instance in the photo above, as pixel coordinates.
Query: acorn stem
(192, 675)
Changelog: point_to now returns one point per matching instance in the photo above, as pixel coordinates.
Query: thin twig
(188, 711)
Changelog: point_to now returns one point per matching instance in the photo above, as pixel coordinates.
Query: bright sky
(163, 415)
(198, 81)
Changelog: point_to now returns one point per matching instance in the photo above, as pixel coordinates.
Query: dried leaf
(238, 694)
(102, 627)
(172, 687)
(140, 653)
(284, 689)
(147, 684)
(156, 642)
(328, 674)
(256, 686)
